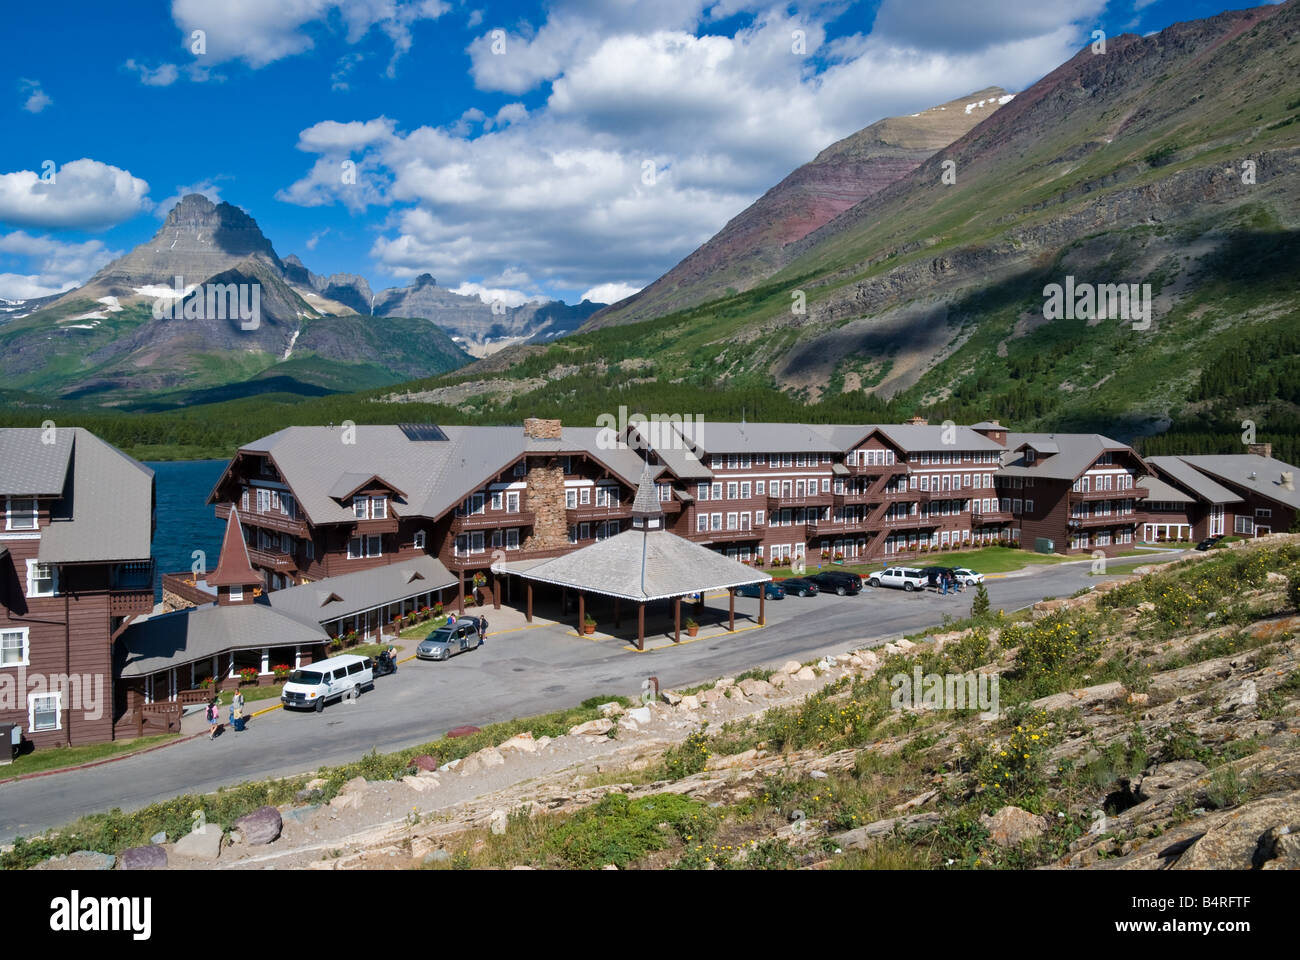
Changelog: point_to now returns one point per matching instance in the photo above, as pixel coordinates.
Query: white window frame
(419, 540)
(360, 506)
(24, 634)
(571, 498)
(57, 695)
(10, 513)
(31, 579)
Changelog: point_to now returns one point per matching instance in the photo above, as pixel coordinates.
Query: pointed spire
(647, 514)
(234, 569)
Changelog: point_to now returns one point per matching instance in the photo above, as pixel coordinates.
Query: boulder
(1011, 825)
(756, 688)
(299, 814)
(345, 801)
(904, 645)
(611, 709)
(1246, 837)
(261, 826)
(790, 667)
(670, 698)
(594, 728)
(488, 757)
(869, 657)
(152, 857)
(421, 784)
(730, 761)
(424, 762)
(201, 844)
(357, 785)
(79, 860)
(689, 703)
(712, 696)
(522, 743)
(806, 673)
(319, 783)
(1166, 776)
(159, 837)
(639, 715)
(726, 682)
(497, 822)
(779, 680)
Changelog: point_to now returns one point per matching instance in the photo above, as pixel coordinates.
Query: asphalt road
(515, 674)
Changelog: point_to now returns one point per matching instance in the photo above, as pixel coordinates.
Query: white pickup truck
(901, 578)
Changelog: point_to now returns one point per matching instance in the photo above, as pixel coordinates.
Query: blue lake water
(186, 521)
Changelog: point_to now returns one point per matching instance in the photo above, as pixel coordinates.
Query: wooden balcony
(129, 603)
(182, 585)
(978, 519)
(590, 513)
(269, 521)
(492, 520)
(728, 536)
(1102, 520)
(271, 559)
(893, 469)
(484, 559)
(880, 496)
(908, 523)
(793, 501)
(369, 528)
(1132, 493)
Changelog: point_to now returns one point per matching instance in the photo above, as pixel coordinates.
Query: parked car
(450, 639)
(1208, 542)
(773, 591)
(900, 578)
(837, 581)
(968, 576)
(332, 679)
(800, 586)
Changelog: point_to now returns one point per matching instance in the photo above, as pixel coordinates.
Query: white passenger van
(341, 676)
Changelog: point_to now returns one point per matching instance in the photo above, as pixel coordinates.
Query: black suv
(1208, 542)
(838, 581)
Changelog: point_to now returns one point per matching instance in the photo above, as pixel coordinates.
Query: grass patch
(55, 758)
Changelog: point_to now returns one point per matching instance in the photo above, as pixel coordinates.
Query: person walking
(392, 658)
(214, 716)
(943, 584)
(237, 711)
(482, 629)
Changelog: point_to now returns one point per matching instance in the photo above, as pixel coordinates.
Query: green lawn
(985, 560)
(252, 693)
(54, 758)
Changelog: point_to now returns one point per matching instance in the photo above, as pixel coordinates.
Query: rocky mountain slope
(1152, 722)
(1169, 160)
(134, 332)
(479, 327)
(755, 243)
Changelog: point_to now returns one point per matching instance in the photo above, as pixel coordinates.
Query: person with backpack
(482, 630)
(237, 712)
(214, 718)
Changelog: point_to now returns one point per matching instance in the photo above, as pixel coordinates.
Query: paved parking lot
(519, 672)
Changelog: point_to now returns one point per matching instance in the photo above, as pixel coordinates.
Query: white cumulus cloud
(85, 194)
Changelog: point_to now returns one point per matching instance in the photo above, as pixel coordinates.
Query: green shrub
(620, 829)
(980, 605)
(689, 757)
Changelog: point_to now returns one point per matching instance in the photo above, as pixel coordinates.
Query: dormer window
(378, 508)
(419, 540)
(1031, 456)
(20, 513)
(359, 507)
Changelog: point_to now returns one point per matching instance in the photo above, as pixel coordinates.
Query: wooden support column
(460, 591)
(528, 610)
(731, 613)
(582, 613)
(496, 590)
(640, 626)
(677, 620)
(762, 597)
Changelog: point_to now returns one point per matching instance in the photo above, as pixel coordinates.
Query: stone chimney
(1260, 449)
(539, 429)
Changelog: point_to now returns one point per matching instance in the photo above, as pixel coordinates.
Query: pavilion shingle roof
(673, 567)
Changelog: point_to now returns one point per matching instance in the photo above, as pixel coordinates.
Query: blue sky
(510, 149)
